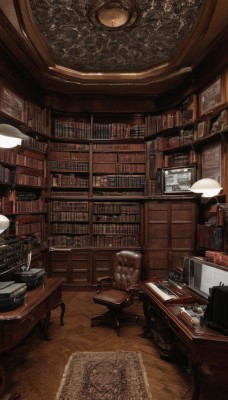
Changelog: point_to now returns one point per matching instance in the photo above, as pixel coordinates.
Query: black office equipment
(216, 314)
(33, 277)
(12, 295)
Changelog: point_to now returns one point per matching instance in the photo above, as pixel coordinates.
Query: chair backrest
(127, 269)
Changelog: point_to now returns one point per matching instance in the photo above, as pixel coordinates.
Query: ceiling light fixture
(207, 187)
(113, 15)
(10, 136)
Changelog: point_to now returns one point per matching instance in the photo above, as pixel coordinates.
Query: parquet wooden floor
(35, 368)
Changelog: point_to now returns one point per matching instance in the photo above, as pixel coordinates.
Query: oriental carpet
(104, 376)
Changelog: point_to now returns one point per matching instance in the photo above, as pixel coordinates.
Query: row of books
(29, 180)
(130, 168)
(72, 129)
(115, 168)
(83, 217)
(29, 162)
(35, 206)
(117, 130)
(69, 166)
(28, 229)
(58, 192)
(5, 175)
(118, 181)
(115, 229)
(134, 218)
(131, 158)
(69, 206)
(7, 156)
(70, 180)
(157, 123)
(71, 229)
(119, 146)
(69, 216)
(179, 159)
(210, 236)
(69, 155)
(35, 144)
(63, 241)
(69, 146)
(39, 119)
(116, 208)
(116, 241)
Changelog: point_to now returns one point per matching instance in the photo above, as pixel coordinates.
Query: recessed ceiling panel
(76, 43)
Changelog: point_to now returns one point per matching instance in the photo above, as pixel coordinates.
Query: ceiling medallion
(113, 15)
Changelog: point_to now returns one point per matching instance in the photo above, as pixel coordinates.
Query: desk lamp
(4, 224)
(207, 187)
(10, 136)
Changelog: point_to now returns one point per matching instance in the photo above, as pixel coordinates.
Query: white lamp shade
(4, 223)
(10, 136)
(9, 142)
(207, 187)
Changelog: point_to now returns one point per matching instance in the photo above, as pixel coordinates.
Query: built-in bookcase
(107, 171)
(96, 187)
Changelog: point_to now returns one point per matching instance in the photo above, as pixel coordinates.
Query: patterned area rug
(104, 376)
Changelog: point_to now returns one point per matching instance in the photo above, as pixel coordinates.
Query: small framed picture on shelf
(210, 97)
(178, 179)
(212, 162)
(189, 109)
(201, 129)
(13, 105)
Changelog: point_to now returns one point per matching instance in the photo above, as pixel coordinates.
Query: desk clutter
(13, 293)
(20, 276)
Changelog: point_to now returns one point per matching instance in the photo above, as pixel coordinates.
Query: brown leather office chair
(125, 280)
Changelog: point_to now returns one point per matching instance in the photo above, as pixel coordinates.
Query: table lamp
(207, 187)
(10, 136)
(4, 224)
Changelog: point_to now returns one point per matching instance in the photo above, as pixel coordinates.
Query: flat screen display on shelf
(178, 180)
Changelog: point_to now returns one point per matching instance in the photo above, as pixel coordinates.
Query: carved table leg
(63, 307)
(146, 331)
(3, 395)
(195, 376)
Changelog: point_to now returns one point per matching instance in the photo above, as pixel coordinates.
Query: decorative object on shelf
(10, 136)
(201, 129)
(178, 180)
(211, 97)
(13, 105)
(207, 187)
(113, 15)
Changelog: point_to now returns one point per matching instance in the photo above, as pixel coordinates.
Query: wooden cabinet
(81, 267)
(170, 234)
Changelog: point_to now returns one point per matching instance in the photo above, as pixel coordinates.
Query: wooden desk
(15, 325)
(204, 345)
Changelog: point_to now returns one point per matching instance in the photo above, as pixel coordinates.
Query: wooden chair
(125, 281)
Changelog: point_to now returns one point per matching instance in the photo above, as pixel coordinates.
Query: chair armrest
(102, 279)
(134, 289)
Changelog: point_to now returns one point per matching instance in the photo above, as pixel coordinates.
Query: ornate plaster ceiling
(77, 44)
(60, 46)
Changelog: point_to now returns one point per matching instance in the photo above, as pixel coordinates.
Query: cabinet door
(170, 235)
(183, 226)
(80, 274)
(102, 263)
(60, 264)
